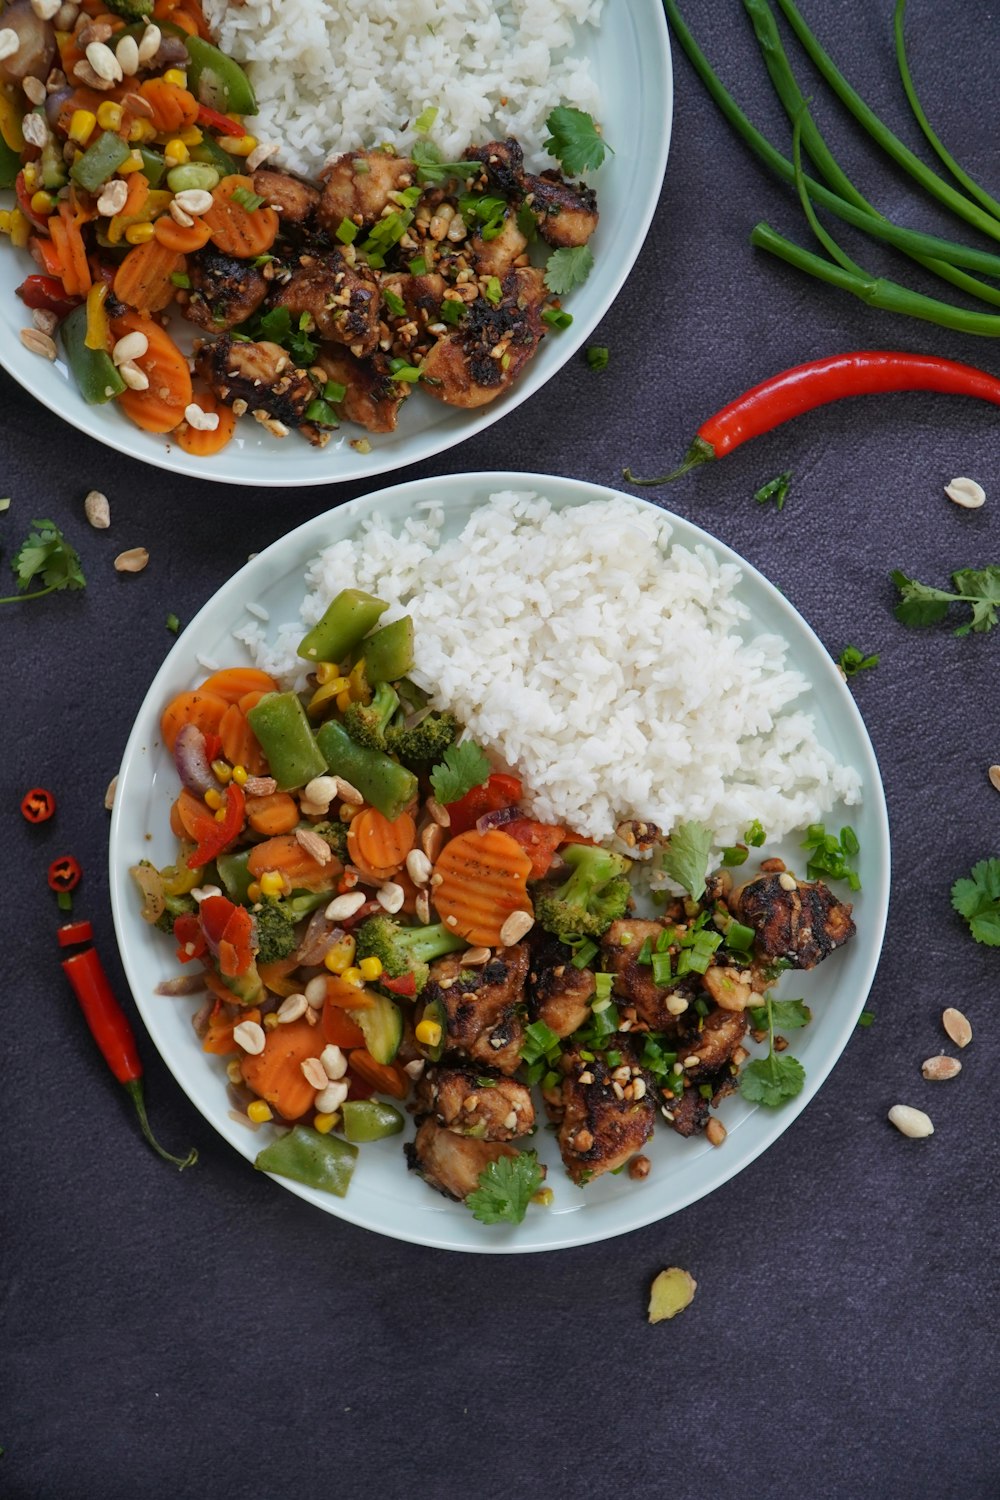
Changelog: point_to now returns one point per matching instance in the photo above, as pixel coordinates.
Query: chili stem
(911, 240)
(882, 135)
(134, 1090)
(876, 291)
(971, 186)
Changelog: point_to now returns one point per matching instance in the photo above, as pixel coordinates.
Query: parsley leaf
(506, 1187)
(568, 268)
(921, 604)
(45, 556)
(772, 1079)
(574, 140)
(851, 660)
(978, 901)
(787, 1015)
(686, 858)
(776, 490)
(464, 767)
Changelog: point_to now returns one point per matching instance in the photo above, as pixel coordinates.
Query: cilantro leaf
(851, 660)
(45, 556)
(574, 140)
(464, 767)
(277, 327)
(978, 901)
(776, 490)
(787, 1015)
(921, 604)
(506, 1187)
(686, 857)
(773, 1079)
(568, 268)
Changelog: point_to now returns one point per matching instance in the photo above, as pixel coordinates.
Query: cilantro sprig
(686, 858)
(851, 661)
(568, 268)
(921, 604)
(464, 766)
(977, 899)
(45, 557)
(772, 1079)
(574, 140)
(506, 1187)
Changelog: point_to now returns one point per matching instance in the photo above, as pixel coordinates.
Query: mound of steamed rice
(620, 675)
(336, 75)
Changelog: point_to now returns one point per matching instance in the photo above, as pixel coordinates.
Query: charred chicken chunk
(503, 164)
(690, 1112)
(419, 294)
(357, 186)
(373, 397)
(607, 1115)
(496, 256)
(224, 290)
(802, 924)
(484, 355)
(565, 212)
(449, 1162)
(487, 1106)
(261, 375)
(294, 200)
(722, 1031)
(481, 1006)
(634, 983)
(558, 993)
(342, 302)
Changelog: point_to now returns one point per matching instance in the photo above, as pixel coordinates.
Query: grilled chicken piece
(721, 1033)
(261, 374)
(481, 1006)
(421, 294)
(489, 1107)
(342, 302)
(449, 1162)
(462, 369)
(803, 925)
(357, 186)
(565, 212)
(559, 994)
(296, 201)
(634, 983)
(600, 1132)
(503, 163)
(689, 1114)
(496, 257)
(373, 398)
(224, 290)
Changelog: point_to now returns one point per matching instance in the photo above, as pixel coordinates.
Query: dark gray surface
(207, 1335)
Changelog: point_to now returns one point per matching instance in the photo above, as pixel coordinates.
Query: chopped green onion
(425, 120)
(452, 311)
(598, 356)
(602, 990)
(347, 231)
(173, 624)
(396, 305)
(584, 953)
(494, 291)
(418, 266)
(334, 392)
(705, 1090)
(4, 504)
(661, 968)
(755, 834)
(551, 1081)
(739, 938)
(645, 953)
(598, 1006)
(557, 317)
(849, 841)
(408, 373)
(178, 278)
(250, 201)
(322, 413)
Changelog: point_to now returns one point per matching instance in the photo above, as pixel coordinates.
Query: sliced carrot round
(483, 881)
(235, 229)
(206, 710)
(161, 407)
(203, 442)
(276, 1073)
(233, 683)
(286, 855)
(377, 845)
(184, 238)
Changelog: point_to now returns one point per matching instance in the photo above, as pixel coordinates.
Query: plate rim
(346, 517)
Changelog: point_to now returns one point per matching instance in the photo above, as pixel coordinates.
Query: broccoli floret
(366, 722)
(335, 834)
(132, 10)
(595, 895)
(424, 744)
(275, 930)
(176, 906)
(404, 950)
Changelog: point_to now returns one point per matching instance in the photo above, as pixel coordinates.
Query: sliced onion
(417, 717)
(191, 760)
(201, 1017)
(54, 103)
(316, 939)
(184, 984)
(150, 882)
(498, 818)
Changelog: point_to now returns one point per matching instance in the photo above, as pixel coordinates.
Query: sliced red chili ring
(38, 805)
(64, 873)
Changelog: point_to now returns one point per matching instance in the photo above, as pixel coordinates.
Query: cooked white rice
(620, 675)
(336, 75)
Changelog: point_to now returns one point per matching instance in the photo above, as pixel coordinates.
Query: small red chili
(72, 933)
(38, 805)
(405, 985)
(64, 873)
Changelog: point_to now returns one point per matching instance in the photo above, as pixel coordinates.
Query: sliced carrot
(278, 813)
(482, 882)
(68, 243)
(219, 1036)
(250, 700)
(240, 745)
(276, 1073)
(161, 407)
(339, 1029)
(197, 707)
(233, 683)
(138, 192)
(174, 108)
(286, 855)
(203, 442)
(386, 1078)
(143, 279)
(191, 813)
(236, 230)
(185, 238)
(377, 846)
(275, 976)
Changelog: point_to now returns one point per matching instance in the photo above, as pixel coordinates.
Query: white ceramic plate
(630, 57)
(383, 1195)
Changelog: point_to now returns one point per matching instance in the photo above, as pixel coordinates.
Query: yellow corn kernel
(371, 968)
(234, 1072)
(328, 674)
(109, 115)
(271, 1021)
(142, 130)
(213, 799)
(139, 234)
(192, 136)
(272, 883)
(20, 229)
(238, 145)
(348, 810)
(220, 816)
(240, 774)
(544, 1197)
(259, 1111)
(30, 174)
(81, 126)
(340, 956)
(132, 163)
(344, 699)
(42, 203)
(222, 771)
(175, 153)
(176, 76)
(5, 221)
(325, 1123)
(428, 1033)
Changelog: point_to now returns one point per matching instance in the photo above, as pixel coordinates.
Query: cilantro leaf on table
(686, 858)
(786, 1015)
(566, 269)
(922, 604)
(47, 558)
(574, 140)
(978, 901)
(772, 1079)
(851, 660)
(464, 766)
(506, 1187)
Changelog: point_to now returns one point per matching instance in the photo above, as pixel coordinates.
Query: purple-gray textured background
(208, 1335)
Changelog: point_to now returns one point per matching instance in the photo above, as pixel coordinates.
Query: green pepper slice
(370, 1119)
(100, 161)
(382, 781)
(92, 369)
(153, 166)
(235, 876)
(318, 1161)
(280, 724)
(217, 81)
(209, 151)
(389, 652)
(344, 625)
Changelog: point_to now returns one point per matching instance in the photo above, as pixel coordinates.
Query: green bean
(293, 757)
(389, 652)
(382, 781)
(319, 1161)
(882, 135)
(971, 186)
(344, 624)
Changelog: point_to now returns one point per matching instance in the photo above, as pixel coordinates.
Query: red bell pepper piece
(405, 985)
(538, 840)
(212, 120)
(230, 928)
(214, 836)
(190, 938)
(46, 293)
(499, 790)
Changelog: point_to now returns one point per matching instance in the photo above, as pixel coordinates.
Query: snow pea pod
(280, 724)
(382, 781)
(318, 1161)
(217, 81)
(370, 1119)
(93, 370)
(344, 625)
(389, 652)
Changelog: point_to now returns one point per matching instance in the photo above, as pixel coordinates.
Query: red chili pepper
(71, 934)
(64, 873)
(869, 372)
(24, 204)
(213, 836)
(189, 937)
(111, 1031)
(405, 985)
(212, 120)
(38, 805)
(47, 293)
(499, 790)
